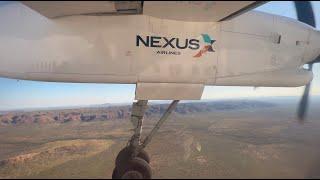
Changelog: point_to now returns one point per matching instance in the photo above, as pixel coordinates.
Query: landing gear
(134, 168)
(132, 162)
(126, 153)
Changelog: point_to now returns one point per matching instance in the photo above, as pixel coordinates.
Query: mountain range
(119, 112)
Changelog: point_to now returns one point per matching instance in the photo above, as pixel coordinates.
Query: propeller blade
(304, 100)
(317, 60)
(305, 12)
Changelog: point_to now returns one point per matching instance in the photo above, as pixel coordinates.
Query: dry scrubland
(224, 139)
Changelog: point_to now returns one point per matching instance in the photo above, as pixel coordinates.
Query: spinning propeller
(305, 14)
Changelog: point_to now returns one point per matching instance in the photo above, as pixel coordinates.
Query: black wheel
(132, 175)
(125, 155)
(115, 173)
(144, 155)
(135, 166)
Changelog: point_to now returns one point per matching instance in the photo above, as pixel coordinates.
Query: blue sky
(16, 94)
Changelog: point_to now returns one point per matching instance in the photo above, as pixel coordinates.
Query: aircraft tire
(125, 155)
(115, 173)
(132, 175)
(136, 168)
(144, 155)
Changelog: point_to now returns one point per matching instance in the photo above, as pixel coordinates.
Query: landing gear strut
(132, 162)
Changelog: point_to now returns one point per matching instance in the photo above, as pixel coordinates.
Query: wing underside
(203, 11)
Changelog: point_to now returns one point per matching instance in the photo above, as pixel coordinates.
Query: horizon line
(129, 103)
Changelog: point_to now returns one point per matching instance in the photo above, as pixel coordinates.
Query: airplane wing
(55, 9)
(198, 10)
(201, 11)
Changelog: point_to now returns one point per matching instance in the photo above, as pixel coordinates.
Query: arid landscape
(256, 138)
